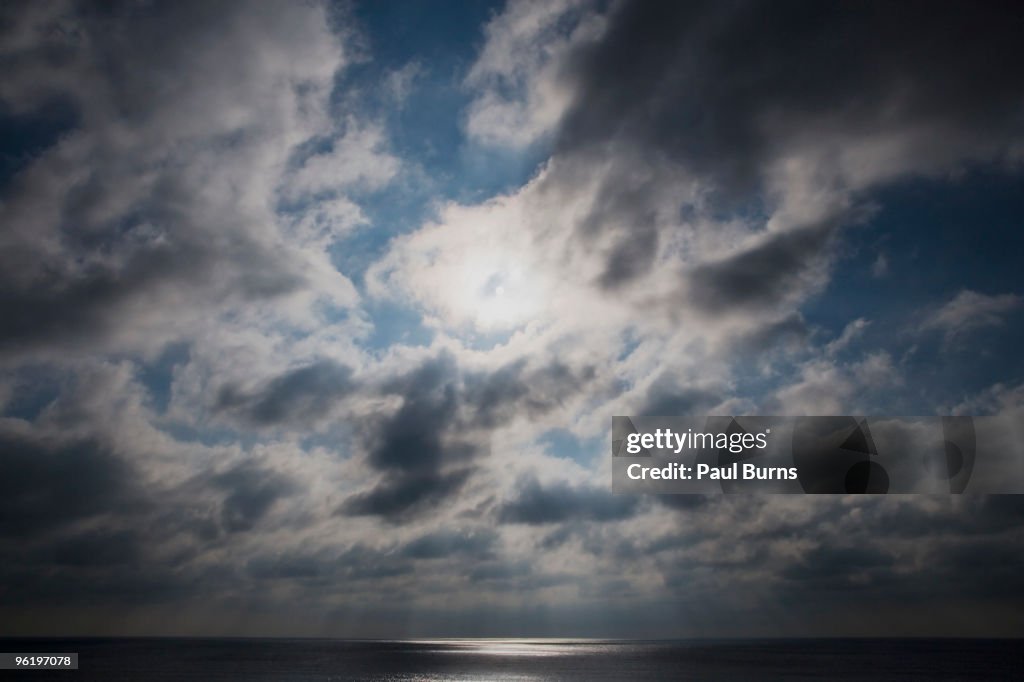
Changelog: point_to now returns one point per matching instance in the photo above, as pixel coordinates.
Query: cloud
(880, 268)
(668, 125)
(714, 87)
(517, 389)
(155, 210)
(401, 82)
(357, 158)
(969, 311)
(710, 90)
(419, 453)
(827, 387)
(537, 504)
(520, 94)
(784, 266)
(427, 449)
(251, 491)
(401, 494)
(669, 396)
(694, 201)
(837, 567)
(49, 485)
(704, 164)
(447, 544)
(851, 332)
(299, 397)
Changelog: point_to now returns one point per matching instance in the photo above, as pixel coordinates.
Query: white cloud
(398, 84)
(521, 93)
(850, 333)
(826, 387)
(971, 310)
(880, 268)
(358, 158)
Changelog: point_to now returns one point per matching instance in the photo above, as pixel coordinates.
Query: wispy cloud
(970, 310)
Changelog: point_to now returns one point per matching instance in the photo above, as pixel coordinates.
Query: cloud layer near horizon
(206, 428)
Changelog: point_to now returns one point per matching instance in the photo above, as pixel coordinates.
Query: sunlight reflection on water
(504, 652)
(518, 648)
(467, 678)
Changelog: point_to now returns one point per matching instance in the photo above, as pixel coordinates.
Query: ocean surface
(299, 660)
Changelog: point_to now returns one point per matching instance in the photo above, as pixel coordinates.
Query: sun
(498, 295)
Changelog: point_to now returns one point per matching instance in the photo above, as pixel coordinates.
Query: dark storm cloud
(251, 491)
(516, 388)
(450, 543)
(624, 204)
(47, 484)
(293, 398)
(759, 277)
(851, 569)
(288, 567)
(997, 512)
(28, 586)
(977, 515)
(79, 525)
(423, 451)
(426, 450)
(400, 494)
(85, 307)
(516, 576)
(536, 504)
(837, 567)
(631, 258)
(976, 576)
(979, 569)
(422, 462)
(684, 502)
(414, 438)
(500, 571)
(70, 525)
(328, 568)
(723, 86)
(727, 90)
(669, 396)
(96, 548)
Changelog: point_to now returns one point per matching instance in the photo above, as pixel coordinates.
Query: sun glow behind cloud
(507, 299)
(477, 270)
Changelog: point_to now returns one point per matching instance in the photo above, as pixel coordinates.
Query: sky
(314, 316)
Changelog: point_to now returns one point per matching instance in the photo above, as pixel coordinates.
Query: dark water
(304, 659)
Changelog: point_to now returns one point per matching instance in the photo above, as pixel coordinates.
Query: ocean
(302, 660)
